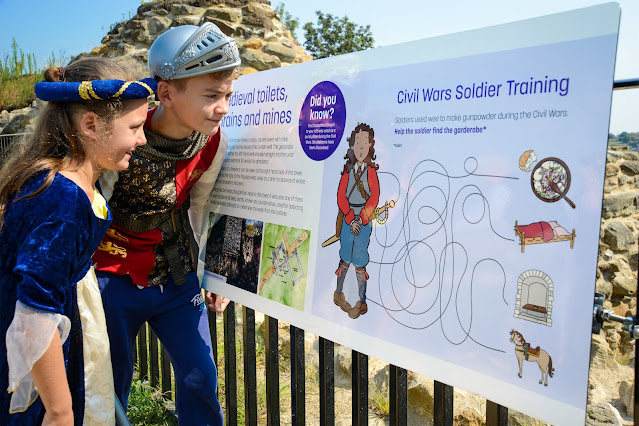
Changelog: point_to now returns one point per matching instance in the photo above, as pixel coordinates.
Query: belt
(170, 223)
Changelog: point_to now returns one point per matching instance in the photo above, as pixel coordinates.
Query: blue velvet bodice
(46, 244)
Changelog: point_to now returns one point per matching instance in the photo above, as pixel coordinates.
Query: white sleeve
(28, 338)
(202, 189)
(107, 179)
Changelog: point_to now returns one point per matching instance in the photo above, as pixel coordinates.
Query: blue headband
(95, 90)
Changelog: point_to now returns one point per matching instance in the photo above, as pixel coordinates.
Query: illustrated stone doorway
(535, 295)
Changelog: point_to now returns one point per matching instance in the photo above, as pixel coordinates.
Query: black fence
(154, 366)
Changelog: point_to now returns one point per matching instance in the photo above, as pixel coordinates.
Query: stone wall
(617, 265)
(264, 42)
(611, 381)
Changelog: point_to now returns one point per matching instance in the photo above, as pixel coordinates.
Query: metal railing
(6, 141)
(630, 83)
(154, 366)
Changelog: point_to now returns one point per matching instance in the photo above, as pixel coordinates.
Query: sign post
(435, 204)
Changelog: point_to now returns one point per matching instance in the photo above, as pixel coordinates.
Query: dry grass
(18, 92)
(19, 72)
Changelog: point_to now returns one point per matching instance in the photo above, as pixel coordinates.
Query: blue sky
(74, 26)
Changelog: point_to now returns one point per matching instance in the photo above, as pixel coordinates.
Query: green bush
(147, 407)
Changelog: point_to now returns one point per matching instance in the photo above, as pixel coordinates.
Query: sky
(66, 29)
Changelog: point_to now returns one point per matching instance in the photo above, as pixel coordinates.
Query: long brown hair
(56, 143)
(350, 154)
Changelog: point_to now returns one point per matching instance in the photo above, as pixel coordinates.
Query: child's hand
(215, 302)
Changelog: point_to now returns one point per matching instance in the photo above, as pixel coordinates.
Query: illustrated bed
(543, 232)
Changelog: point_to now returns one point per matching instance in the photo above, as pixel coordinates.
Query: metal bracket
(600, 314)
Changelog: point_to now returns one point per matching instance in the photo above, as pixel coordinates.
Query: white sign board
(470, 232)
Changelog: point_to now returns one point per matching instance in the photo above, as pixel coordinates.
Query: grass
(481, 410)
(147, 407)
(18, 92)
(17, 78)
(18, 74)
(380, 403)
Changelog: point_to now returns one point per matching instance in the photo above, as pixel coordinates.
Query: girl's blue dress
(46, 245)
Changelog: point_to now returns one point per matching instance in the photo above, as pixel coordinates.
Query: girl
(52, 219)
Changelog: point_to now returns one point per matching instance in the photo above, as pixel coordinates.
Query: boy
(148, 260)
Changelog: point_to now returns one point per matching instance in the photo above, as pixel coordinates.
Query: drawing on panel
(550, 180)
(535, 296)
(424, 273)
(233, 250)
(284, 266)
(543, 232)
(283, 260)
(524, 351)
(357, 198)
(527, 160)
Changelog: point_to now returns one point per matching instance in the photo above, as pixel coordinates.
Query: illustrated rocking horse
(523, 351)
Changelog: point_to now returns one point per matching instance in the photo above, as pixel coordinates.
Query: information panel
(435, 204)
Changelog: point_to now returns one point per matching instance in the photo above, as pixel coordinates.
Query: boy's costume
(47, 286)
(152, 236)
(147, 263)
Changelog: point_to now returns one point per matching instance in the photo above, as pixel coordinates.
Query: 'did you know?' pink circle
(322, 120)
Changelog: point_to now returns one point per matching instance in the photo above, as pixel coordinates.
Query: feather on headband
(95, 90)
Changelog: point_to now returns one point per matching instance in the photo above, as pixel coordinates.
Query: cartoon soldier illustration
(357, 198)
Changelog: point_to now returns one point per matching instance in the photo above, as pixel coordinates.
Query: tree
(289, 21)
(623, 137)
(335, 36)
